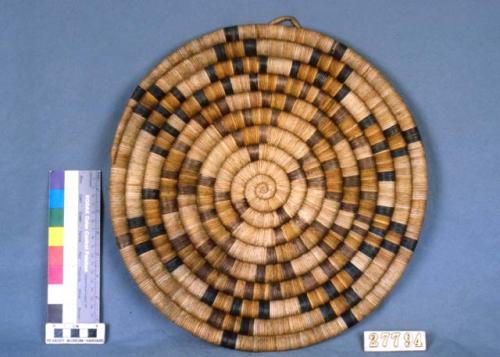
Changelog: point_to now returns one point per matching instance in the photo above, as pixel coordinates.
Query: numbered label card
(387, 341)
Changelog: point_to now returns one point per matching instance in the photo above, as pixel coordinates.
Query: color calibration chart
(73, 289)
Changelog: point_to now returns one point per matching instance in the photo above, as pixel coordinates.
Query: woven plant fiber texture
(268, 186)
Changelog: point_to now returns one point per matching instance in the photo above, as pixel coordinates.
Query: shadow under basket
(268, 187)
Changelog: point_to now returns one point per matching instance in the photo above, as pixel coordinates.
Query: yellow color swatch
(56, 236)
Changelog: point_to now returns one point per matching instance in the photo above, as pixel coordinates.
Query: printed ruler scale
(73, 290)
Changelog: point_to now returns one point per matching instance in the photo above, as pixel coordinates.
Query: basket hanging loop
(292, 20)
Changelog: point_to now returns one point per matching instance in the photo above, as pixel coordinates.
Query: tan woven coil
(267, 187)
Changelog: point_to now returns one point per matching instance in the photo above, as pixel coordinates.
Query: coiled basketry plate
(267, 187)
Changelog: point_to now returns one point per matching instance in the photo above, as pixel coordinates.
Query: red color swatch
(55, 263)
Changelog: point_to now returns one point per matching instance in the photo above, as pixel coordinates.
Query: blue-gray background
(67, 69)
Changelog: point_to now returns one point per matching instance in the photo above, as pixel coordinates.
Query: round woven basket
(267, 188)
